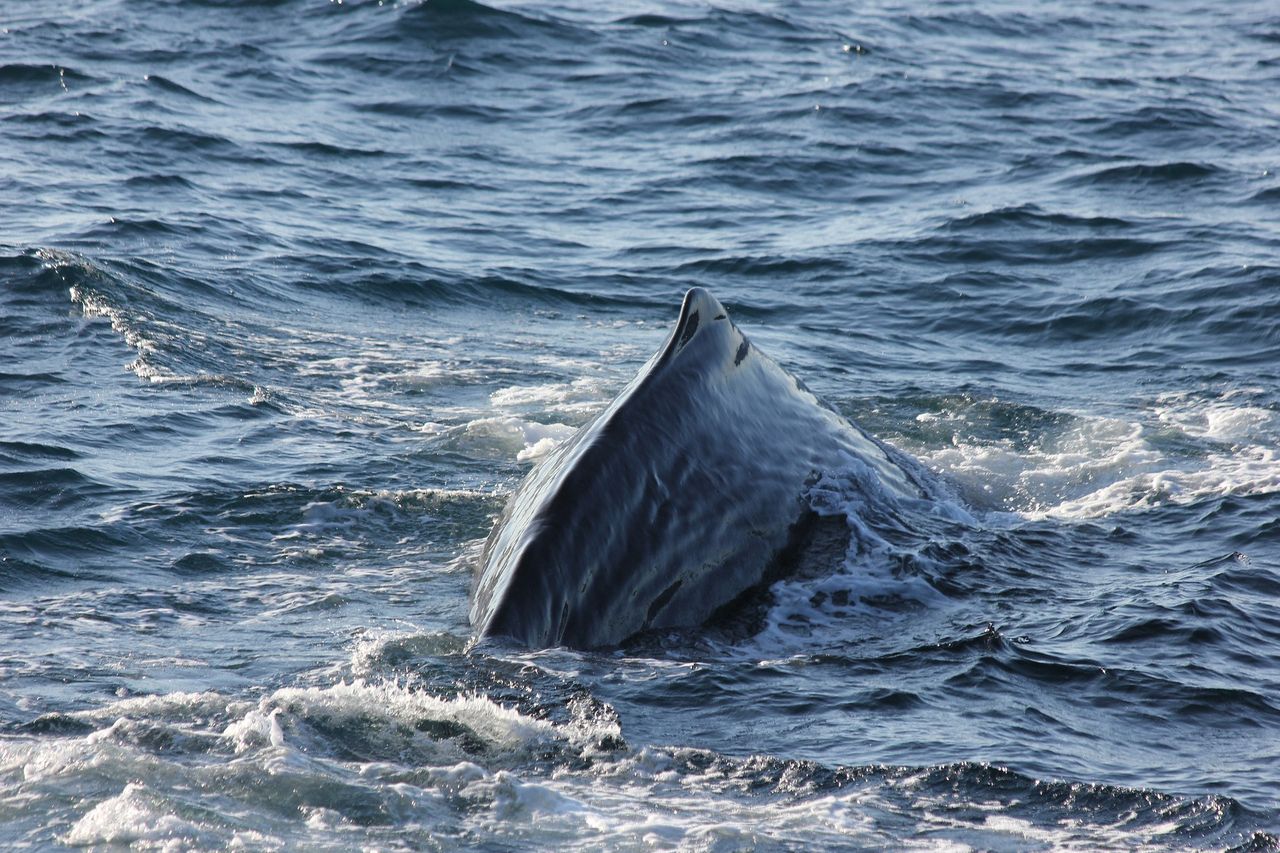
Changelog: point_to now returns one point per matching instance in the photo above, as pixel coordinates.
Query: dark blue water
(292, 294)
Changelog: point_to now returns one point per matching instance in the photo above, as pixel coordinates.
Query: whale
(684, 494)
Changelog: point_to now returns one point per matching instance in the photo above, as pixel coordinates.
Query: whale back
(672, 502)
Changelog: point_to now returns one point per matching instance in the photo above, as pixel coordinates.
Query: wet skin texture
(684, 494)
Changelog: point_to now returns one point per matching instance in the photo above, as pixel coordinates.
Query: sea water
(292, 294)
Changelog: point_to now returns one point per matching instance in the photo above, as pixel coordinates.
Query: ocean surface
(294, 293)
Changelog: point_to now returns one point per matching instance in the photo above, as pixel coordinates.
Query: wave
(322, 283)
(766, 266)
(239, 4)
(23, 81)
(654, 20)
(1158, 122)
(182, 139)
(50, 489)
(366, 753)
(1009, 25)
(789, 175)
(420, 110)
(325, 149)
(1188, 448)
(160, 180)
(18, 574)
(1149, 173)
(1022, 251)
(175, 88)
(18, 452)
(460, 20)
(764, 24)
(175, 322)
(1012, 669)
(70, 548)
(1033, 217)
(1268, 195)
(413, 283)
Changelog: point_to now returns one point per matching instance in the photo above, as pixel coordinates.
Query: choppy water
(292, 293)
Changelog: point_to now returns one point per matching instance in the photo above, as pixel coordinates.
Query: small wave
(1008, 25)
(118, 228)
(580, 397)
(1055, 247)
(60, 127)
(51, 489)
(1191, 448)
(1159, 122)
(506, 436)
(326, 149)
(1267, 195)
(199, 563)
(20, 81)
(1105, 315)
(487, 114)
(166, 317)
(1148, 173)
(448, 184)
(1164, 630)
(183, 139)
(172, 87)
(796, 176)
(378, 720)
(25, 73)
(1031, 216)
(654, 20)
(1117, 686)
(676, 112)
(12, 451)
(363, 754)
(856, 807)
(468, 19)
(1234, 574)
(27, 382)
(242, 4)
(93, 302)
(69, 550)
(377, 652)
(16, 573)
(160, 180)
(136, 816)
(417, 284)
(769, 266)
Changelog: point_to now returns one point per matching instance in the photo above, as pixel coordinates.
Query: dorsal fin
(697, 311)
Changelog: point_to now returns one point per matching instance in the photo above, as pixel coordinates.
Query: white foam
(456, 778)
(514, 799)
(356, 507)
(183, 705)
(867, 585)
(372, 650)
(1182, 449)
(136, 818)
(1229, 418)
(259, 727)
(269, 788)
(432, 374)
(371, 374)
(525, 439)
(94, 304)
(584, 395)
(396, 706)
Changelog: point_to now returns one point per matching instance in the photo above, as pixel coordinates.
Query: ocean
(294, 293)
